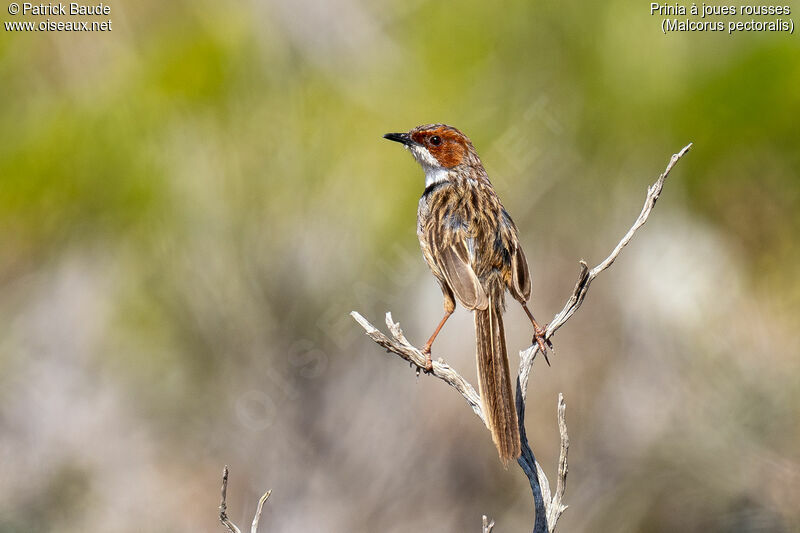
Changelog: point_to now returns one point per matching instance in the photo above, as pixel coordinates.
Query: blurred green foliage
(87, 142)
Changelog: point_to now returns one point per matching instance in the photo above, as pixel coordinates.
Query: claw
(544, 343)
(539, 335)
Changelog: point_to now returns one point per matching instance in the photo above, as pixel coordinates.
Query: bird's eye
(436, 140)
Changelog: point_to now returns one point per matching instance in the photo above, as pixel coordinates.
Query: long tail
(494, 381)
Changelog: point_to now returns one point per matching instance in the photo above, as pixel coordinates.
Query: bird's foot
(543, 342)
(426, 351)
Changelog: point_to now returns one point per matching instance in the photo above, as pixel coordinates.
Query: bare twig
(488, 525)
(586, 276)
(399, 345)
(259, 509)
(223, 507)
(556, 507)
(548, 507)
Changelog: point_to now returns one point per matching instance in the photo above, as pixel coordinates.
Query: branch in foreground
(223, 507)
(548, 508)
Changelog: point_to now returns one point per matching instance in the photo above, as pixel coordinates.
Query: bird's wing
(454, 262)
(520, 285)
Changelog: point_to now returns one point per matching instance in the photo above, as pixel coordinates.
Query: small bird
(472, 247)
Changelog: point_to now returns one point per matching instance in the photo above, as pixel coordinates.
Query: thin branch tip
(223, 507)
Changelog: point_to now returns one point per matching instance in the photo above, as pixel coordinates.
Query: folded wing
(520, 285)
(454, 262)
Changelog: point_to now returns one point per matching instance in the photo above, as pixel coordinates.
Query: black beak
(402, 138)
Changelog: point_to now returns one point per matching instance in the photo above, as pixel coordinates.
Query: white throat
(434, 175)
(434, 172)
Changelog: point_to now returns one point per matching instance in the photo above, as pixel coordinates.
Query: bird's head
(439, 148)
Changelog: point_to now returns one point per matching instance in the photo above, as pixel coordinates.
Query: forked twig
(399, 345)
(586, 276)
(223, 507)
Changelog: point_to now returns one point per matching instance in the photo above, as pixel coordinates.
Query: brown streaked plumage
(472, 247)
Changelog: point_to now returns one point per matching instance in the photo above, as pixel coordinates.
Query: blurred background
(192, 203)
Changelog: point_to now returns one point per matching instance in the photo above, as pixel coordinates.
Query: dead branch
(223, 507)
(399, 345)
(548, 507)
(586, 276)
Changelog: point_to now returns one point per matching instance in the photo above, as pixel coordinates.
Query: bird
(472, 247)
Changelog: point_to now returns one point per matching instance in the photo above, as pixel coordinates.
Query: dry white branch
(223, 507)
(488, 525)
(548, 507)
(399, 345)
(586, 276)
(556, 505)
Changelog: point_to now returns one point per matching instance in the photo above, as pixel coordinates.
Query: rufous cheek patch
(449, 154)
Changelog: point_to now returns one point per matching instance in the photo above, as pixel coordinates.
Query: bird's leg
(538, 334)
(427, 348)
